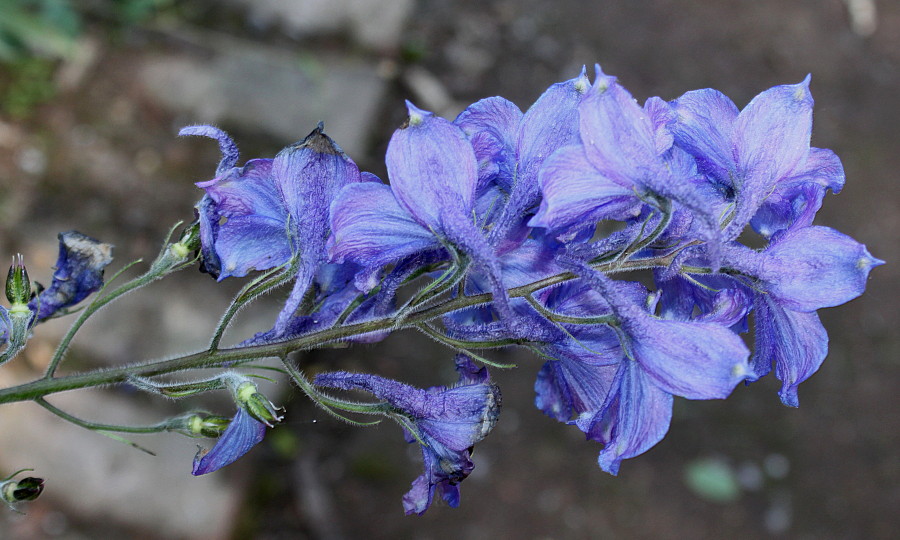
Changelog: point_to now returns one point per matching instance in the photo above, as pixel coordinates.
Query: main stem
(232, 357)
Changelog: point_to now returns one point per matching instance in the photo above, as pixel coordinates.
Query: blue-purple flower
(246, 430)
(802, 270)
(269, 212)
(759, 158)
(615, 381)
(447, 421)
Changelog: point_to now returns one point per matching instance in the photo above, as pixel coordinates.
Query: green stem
(560, 318)
(94, 426)
(236, 356)
(247, 294)
(92, 308)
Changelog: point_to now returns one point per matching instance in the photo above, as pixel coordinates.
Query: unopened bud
(247, 396)
(18, 286)
(16, 491)
(189, 241)
(204, 425)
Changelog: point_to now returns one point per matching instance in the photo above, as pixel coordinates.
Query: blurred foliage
(713, 480)
(37, 27)
(24, 84)
(35, 35)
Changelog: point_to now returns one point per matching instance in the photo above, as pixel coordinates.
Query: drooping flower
(243, 433)
(246, 430)
(447, 421)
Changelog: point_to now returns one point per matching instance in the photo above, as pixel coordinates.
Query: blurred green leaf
(713, 480)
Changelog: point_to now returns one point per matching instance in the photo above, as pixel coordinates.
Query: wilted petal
(795, 342)
(79, 272)
(448, 420)
(243, 433)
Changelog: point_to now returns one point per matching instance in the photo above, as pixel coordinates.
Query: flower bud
(247, 396)
(18, 286)
(189, 241)
(204, 425)
(26, 489)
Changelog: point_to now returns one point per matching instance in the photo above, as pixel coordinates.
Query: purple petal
(619, 138)
(634, 418)
(662, 116)
(243, 221)
(370, 228)
(576, 194)
(432, 169)
(694, 360)
(816, 267)
(309, 176)
(567, 388)
(443, 471)
(704, 128)
(791, 206)
(796, 342)
(795, 201)
(243, 433)
(461, 416)
(771, 138)
(549, 124)
(491, 125)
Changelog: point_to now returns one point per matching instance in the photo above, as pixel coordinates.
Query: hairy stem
(236, 356)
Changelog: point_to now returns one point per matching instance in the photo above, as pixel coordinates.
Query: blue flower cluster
(541, 209)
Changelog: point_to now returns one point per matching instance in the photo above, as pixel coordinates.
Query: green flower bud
(247, 395)
(189, 241)
(204, 425)
(18, 286)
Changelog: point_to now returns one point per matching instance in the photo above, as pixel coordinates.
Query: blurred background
(92, 93)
